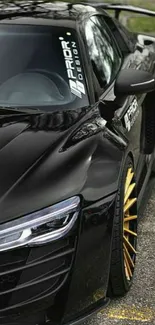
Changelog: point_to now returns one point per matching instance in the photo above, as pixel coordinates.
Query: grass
(148, 4)
(139, 24)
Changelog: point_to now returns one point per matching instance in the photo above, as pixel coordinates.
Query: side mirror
(132, 82)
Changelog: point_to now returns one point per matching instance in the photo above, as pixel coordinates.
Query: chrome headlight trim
(18, 233)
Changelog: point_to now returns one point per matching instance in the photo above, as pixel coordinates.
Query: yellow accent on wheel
(129, 228)
(129, 204)
(128, 256)
(128, 179)
(130, 232)
(129, 245)
(129, 191)
(129, 218)
(127, 265)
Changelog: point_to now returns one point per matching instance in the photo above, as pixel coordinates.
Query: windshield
(40, 66)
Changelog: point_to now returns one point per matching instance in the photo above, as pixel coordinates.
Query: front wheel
(124, 241)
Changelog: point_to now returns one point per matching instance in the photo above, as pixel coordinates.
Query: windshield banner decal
(73, 66)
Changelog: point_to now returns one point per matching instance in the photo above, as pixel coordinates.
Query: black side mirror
(132, 82)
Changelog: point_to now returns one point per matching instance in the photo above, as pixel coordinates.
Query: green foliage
(135, 22)
(139, 24)
(148, 4)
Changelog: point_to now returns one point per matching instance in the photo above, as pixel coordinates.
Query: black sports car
(77, 138)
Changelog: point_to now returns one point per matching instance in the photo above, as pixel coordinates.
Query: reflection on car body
(77, 130)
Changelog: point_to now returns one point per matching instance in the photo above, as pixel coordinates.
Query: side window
(103, 52)
(121, 35)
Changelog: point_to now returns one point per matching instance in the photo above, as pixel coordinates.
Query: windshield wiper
(20, 110)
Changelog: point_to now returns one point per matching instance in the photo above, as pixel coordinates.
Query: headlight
(40, 227)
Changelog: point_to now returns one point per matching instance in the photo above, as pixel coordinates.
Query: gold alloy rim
(129, 225)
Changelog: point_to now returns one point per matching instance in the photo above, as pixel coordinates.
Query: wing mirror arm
(107, 108)
(129, 82)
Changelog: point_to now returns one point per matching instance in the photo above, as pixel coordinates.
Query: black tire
(153, 165)
(118, 282)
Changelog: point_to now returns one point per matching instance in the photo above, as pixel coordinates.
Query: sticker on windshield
(73, 66)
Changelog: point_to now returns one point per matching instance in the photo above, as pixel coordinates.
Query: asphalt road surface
(138, 306)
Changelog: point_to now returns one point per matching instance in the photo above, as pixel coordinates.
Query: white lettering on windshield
(73, 66)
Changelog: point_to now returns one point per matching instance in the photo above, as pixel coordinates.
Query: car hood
(35, 170)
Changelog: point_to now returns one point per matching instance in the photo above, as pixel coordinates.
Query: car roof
(44, 13)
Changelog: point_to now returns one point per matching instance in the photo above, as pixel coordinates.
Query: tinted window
(103, 52)
(40, 66)
(122, 36)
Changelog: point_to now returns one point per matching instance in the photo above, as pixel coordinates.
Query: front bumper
(31, 278)
(82, 317)
(44, 284)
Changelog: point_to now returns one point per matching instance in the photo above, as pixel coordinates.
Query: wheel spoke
(129, 191)
(130, 218)
(129, 245)
(130, 232)
(126, 269)
(128, 179)
(130, 221)
(129, 204)
(128, 256)
(127, 265)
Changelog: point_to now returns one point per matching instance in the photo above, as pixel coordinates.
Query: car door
(107, 60)
(138, 52)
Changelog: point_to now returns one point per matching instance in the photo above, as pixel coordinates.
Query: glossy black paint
(48, 157)
(134, 82)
